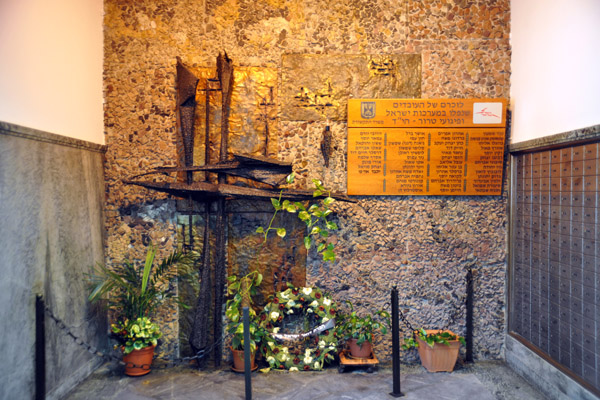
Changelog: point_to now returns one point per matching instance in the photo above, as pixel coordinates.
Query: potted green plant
(438, 348)
(358, 330)
(133, 293)
(137, 338)
(240, 292)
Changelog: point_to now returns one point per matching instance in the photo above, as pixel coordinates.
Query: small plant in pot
(240, 291)
(137, 339)
(438, 348)
(358, 330)
(134, 293)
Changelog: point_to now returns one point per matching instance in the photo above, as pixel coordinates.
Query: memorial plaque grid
(555, 293)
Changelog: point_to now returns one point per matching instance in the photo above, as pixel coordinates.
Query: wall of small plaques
(555, 274)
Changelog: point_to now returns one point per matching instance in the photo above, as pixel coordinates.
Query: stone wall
(459, 48)
(52, 233)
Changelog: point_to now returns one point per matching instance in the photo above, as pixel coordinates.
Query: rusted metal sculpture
(261, 170)
(327, 145)
(187, 83)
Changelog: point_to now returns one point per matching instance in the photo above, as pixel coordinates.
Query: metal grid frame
(554, 280)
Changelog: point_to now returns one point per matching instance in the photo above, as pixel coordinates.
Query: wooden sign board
(436, 156)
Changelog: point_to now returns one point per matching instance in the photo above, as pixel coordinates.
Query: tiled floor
(481, 381)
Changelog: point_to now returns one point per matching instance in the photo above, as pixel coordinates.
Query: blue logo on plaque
(367, 109)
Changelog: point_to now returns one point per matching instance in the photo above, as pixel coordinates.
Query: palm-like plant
(136, 292)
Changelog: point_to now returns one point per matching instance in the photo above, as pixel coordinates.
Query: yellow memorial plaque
(463, 159)
(422, 113)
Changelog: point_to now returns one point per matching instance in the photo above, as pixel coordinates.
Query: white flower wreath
(310, 350)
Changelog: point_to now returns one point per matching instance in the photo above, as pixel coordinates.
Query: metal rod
(469, 317)
(247, 367)
(40, 349)
(207, 128)
(395, 345)
(220, 272)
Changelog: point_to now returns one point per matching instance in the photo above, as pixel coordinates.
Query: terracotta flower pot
(138, 362)
(238, 360)
(440, 357)
(357, 351)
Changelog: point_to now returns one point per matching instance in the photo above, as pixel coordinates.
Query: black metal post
(469, 317)
(40, 349)
(395, 345)
(247, 367)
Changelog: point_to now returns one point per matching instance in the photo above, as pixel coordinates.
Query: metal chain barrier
(109, 357)
(458, 308)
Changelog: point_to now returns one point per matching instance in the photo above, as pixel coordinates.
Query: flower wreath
(309, 351)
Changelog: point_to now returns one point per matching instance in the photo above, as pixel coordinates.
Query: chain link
(109, 357)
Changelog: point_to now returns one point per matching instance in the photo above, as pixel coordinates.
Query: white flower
(308, 360)
(285, 350)
(270, 359)
(307, 290)
(307, 352)
(290, 311)
(290, 303)
(274, 315)
(321, 344)
(326, 301)
(314, 304)
(317, 365)
(331, 347)
(325, 319)
(309, 310)
(271, 344)
(276, 329)
(292, 369)
(284, 358)
(285, 295)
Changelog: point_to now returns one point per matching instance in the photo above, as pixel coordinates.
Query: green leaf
(299, 205)
(328, 201)
(332, 226)
(147, 267)
(317, 193)
(328, 255)
(259, 279)
(321, 247)
(315, 230)
(303, 215)
(290, 178)
(281, 232)
(307, 242)
(324, 234)
(260, 229)
(276, 203)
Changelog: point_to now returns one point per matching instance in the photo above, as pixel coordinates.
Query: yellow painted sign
(410, 113)
(429, 159)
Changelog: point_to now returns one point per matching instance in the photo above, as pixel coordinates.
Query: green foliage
(314, 215)
(352, 326)
(240, 292)
(440, 336)
(136, 291)
(136, 334)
